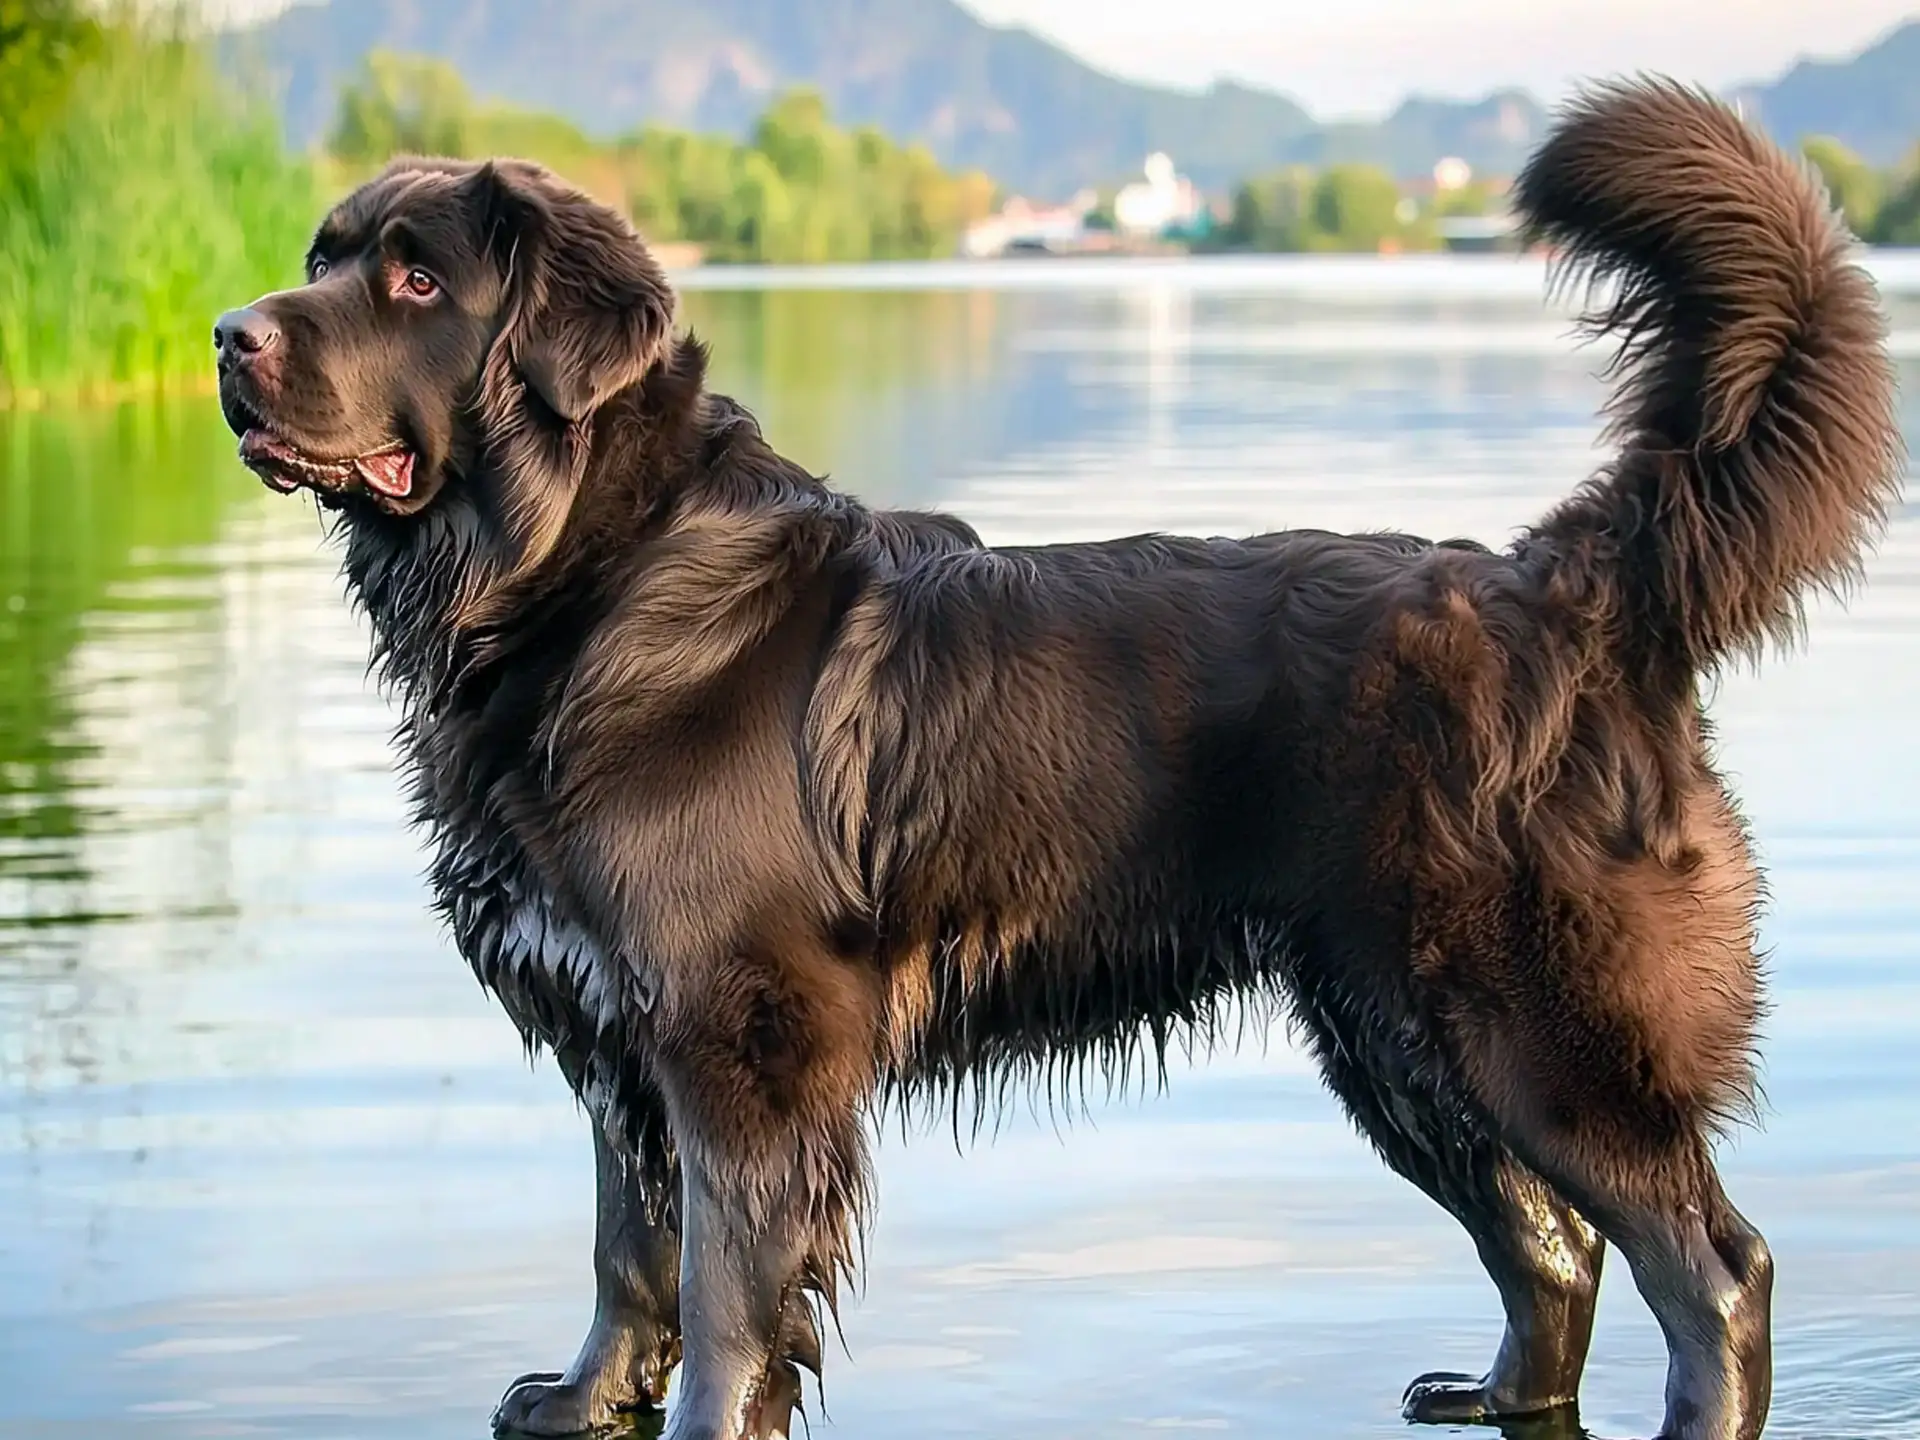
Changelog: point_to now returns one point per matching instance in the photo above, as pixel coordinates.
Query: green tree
(1345, 207)
(401, 105)
(1271, 212)
(760, 214)
(1897, 221)
(1353, 208)
(802, 190)
(795, 136)
(1855, 187)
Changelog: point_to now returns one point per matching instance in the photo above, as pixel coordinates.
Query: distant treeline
(1882, 206)
(1349, 207)
(801, 189)
(1361, 207)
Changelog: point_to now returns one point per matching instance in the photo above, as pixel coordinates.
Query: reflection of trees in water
(887, 391)
(106, 517)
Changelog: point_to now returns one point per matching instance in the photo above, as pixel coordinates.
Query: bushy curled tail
(1759, 448)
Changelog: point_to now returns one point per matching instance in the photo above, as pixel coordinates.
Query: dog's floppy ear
(591, 310)
(586, 313)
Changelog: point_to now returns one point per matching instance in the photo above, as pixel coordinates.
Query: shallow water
(270, 1164)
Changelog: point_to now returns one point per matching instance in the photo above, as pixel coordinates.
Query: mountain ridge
(1002, 99)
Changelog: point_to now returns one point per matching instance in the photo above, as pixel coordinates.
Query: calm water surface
(271, 1165)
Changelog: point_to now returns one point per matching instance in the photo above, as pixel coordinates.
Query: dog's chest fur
(563, 989)
(547, 971)
(471, 753)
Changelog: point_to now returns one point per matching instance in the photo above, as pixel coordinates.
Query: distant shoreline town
(1163, 213)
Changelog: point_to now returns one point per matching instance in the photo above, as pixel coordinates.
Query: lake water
(271, 1165)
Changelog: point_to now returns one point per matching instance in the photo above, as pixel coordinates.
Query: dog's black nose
(243, 332)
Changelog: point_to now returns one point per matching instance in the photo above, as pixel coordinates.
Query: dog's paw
(1448, 1398)
(544, 1404)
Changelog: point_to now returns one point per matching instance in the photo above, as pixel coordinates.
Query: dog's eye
(318, 268)
(421, 285)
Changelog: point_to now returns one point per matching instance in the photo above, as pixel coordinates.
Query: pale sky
(1363, 56)
(1344, 57)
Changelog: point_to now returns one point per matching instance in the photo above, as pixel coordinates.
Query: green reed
(150, 197)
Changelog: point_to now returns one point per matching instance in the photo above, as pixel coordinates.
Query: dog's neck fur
(435, 586)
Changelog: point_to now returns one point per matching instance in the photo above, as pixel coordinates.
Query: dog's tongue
(388, 471)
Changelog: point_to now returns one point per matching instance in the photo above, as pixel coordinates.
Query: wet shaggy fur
(762, 809)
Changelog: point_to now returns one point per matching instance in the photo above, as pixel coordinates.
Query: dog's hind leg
(1703, 1270)
(1541, 1254)
(1545, 1260)
(1605, 1071)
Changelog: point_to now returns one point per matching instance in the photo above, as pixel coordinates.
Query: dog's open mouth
(387, 471)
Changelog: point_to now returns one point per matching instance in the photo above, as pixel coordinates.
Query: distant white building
(1165, 200)
(1498, 231)
(1020, 225)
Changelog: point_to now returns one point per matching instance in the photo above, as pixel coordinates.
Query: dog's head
(460, 325)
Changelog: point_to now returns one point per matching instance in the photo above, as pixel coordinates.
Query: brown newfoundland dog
(765, 811)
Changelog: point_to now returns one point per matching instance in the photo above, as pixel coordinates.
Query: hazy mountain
(998, 98)
(1002, 99)
(1870, 102)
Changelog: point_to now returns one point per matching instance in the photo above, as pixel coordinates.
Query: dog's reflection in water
(1561, 1424)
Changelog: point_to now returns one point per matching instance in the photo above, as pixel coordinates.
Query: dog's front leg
(635, 1338)
(767, 1074)
(739, 1283)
